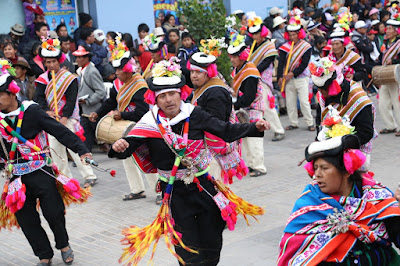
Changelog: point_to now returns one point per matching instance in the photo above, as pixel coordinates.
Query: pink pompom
(286, 36)
(130, 67)
(150, 97)
(212, 70)
(334, 88)
(245, 54)
(38, 58)
(302, 34)
(310, 168)
(185, 92)
(188, 65)
(353, 159)
(264, 31)
(271, 100)
(13, 87)
(62, 58)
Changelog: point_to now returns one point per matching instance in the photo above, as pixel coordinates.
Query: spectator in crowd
(350, 4)
(159, 32)
(278, 31)
(4, 38)
(308, 13)
(326, 23)
(373, 14)
(85, 22)
(273, 13)
(90, 92)
(33, 14)
(188, 47)
(157, 23)
(40, 31)
(169, 24)
(360, 7)
(16, 33)
(128, 40)
(110, 36)
(384, 16)
(313, 31)
(99, 52)
(174, 42)
(99, 37)
(62, 31)
(35, 61)
(161, 16)
(363, 45)
(25, 79)
(10, 52)
(319, 44)
(375, 54)
(68, 63)
(298, 4)
(380, 28)
(144, 56)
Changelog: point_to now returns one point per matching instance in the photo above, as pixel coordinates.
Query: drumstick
(287, 67)
(147, 68)
(53, 77)
(85, 115)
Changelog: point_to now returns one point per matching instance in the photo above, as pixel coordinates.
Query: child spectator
(188, 47)
(174, 43)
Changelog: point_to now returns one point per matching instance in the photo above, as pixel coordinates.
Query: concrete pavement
(94, 228)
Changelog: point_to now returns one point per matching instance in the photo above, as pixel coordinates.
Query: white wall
(124, 15)
(11, 12)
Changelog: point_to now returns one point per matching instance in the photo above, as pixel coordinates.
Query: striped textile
(391, 52)
(298, 51)
(346, 61)
(126, 91)
(311, 238)
(266, 49)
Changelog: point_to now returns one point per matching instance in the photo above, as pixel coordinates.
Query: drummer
(353, 68)
(389, 94)
(126, 102)
(348, 98)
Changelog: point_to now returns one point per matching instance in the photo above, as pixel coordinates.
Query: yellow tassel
(242, 206)
(7, 218)
(139, 240)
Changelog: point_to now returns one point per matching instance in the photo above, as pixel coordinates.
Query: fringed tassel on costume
(240, 171)
(7, 218)
(140, 239)
(242, 206)
(68, 199)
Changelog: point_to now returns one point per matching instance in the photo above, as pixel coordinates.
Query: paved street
(94, 228)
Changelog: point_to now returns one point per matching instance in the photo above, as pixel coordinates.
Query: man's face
(82, 60)
(6, 101)
(42, 32)
(156, 57)
(337, 47)
(20, 72)
(198, 78)
(257, 37)
(293, 36)
(122, 76)
(65, 46)
(62, 32)
(89, 24)
(52, 64)
(374, 16)
(391, 32)
(15, 37)
(170, 103)
(362, 31)
(235, 60)
(90, 39)
(143, 34)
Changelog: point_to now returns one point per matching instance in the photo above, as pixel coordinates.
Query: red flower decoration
(50, 41)
(112, 173)
(330, 122)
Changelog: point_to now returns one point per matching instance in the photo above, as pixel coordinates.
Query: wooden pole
(53, 77)
(251, 49)
(287, 66)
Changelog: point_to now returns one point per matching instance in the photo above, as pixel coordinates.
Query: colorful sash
(313, 235)
(25, 151)
(228, 155)
(256, 108)
(356, 101)
(147, 128)
(127, 90)
(391, 52)
(298, 51)
(266, 49)
(346, 61)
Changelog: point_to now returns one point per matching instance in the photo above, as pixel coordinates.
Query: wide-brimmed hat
(202, 60)
(23, 63)
(237, 44)
(120, 54)
(153, 43)
(312, 25)
(158, 32)
(323, 70)
(294, 23)
(392, 22)
(255, 24)
(18, 30)
(51, 48)
(278, 21)
(81, 51)
(7, 74)
(275, 10)
(374, 22)
(166, 74)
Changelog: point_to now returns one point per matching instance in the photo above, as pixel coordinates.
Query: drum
(386, 75)
(110, 130)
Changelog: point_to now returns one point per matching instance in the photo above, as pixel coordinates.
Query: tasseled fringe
(240, 171)
(7, 218)
(271, 100)
(69, 199)
(242, 206)
(139, 240)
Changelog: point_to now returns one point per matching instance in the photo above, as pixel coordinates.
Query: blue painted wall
(11, 12)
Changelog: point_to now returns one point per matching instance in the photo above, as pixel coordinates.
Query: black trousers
(90, 130)
(198, 219)
(41, 186)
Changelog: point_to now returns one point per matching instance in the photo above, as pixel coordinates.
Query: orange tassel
(139, 240)
(7, 218)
